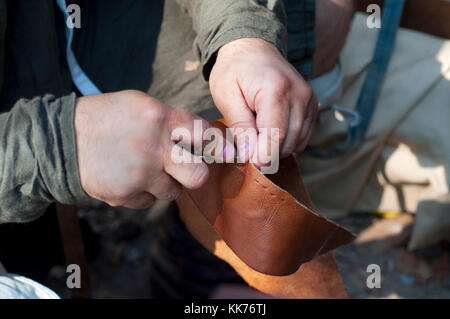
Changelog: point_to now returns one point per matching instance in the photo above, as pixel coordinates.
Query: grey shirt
(147, 42)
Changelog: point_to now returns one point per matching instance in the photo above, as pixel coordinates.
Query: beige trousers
(404, 163)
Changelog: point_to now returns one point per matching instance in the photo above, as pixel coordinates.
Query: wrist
(81, 127)
(245, 45)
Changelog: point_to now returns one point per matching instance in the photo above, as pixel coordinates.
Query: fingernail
(243, 152)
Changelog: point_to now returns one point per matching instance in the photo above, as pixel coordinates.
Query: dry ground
(120, 270)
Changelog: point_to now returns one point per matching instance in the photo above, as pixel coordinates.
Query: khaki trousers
(404, 163)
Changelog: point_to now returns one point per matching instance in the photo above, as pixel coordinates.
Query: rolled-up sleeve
(219, 22)
(38, 157)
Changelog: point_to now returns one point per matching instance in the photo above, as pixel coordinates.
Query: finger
(241, 121)
(307, 129)
(272, 120)
(268, 147)
(303, 111)
(246, 141)
(164, 187)
(313, 108)
(215, 150)
(304, 141)
(188, 131)
(188, 169)
(295, 125)
(140, 201)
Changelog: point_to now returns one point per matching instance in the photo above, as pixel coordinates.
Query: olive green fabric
(165, 48)
(300, 16)
(38, 157)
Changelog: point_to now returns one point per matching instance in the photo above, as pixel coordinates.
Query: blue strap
(79, 78)
(392, 13)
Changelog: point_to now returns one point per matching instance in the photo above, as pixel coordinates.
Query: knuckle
(154, 113)
(281, 84)
(308, 91)
(306, 94)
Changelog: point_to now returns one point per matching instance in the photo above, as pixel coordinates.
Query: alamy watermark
(374, 19)
(374, 279)
(208, 146)
(74, 16)
(74, 278)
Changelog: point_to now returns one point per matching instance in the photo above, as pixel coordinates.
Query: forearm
(38, 157)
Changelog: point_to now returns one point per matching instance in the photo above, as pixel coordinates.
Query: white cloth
(13, 286)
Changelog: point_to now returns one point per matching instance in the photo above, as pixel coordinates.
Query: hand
(124, 149)
(254, 87)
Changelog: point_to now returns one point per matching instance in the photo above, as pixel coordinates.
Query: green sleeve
(2, 38)
(219, 22)
(38, 162)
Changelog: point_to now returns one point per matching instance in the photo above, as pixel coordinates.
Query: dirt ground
(120, 267)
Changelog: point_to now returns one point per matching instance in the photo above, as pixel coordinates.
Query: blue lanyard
(365, 107)
(79, 78)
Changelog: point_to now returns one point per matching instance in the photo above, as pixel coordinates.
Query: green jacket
(139, 44)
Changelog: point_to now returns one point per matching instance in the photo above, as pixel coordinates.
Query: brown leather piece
(318, 278)
(269, 224)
